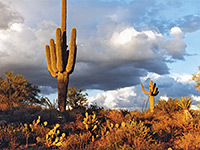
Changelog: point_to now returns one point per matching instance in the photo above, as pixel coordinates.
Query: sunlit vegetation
(196, 78)
(28, 121)
(17, 91)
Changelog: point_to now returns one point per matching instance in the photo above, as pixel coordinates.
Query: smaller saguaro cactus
(153, 91)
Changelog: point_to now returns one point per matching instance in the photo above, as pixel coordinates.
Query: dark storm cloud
(108, 77)
(105, 77)
(8, 16)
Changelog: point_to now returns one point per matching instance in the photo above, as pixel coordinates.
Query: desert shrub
(11, 137)
(77, 141)
(45, 101)
(114, 116)
(94, 108)
(4, 107)
(16, 90)
(75, 98)
(167, 127)
(188, 141)
(136, 115)
(130, 135)
(168, 106)
(20, 114)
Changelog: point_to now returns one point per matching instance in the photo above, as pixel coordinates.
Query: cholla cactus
(185, 104)
(91, 124)
(34, 124)
(53, 137)
(60, 61)
(111, 126)
(153, 91)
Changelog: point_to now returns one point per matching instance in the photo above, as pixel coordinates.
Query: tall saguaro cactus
(153, 91)
(60, 61)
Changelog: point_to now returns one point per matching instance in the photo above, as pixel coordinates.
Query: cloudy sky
(121, 43)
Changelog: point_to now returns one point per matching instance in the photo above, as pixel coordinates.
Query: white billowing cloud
(135, 45)
(195, 107)
(124, 42)
(176, 47)
(196, 98)
(123, 37)
(176, 33)
(131, 98)
(195, 102)
(164, 97)
(183, 78)
(23, 45)
(114, 99)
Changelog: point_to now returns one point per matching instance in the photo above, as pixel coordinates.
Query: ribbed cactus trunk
(63, 79)
(60, 61)
(151, 103)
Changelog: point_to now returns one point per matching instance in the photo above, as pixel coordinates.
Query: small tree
(15, 90)
(75, 98)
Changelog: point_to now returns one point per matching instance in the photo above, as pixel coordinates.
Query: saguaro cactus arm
(49, 62)
(144, 89)
(72, 52)
(59, 52)
(53, 55)
(155, 91)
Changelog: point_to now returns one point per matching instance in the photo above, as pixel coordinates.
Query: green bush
(16, 90)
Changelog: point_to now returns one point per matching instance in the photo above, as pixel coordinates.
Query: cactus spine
(60, 61)
(153, 91)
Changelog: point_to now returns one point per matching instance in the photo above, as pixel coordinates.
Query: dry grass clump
(114, 116)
